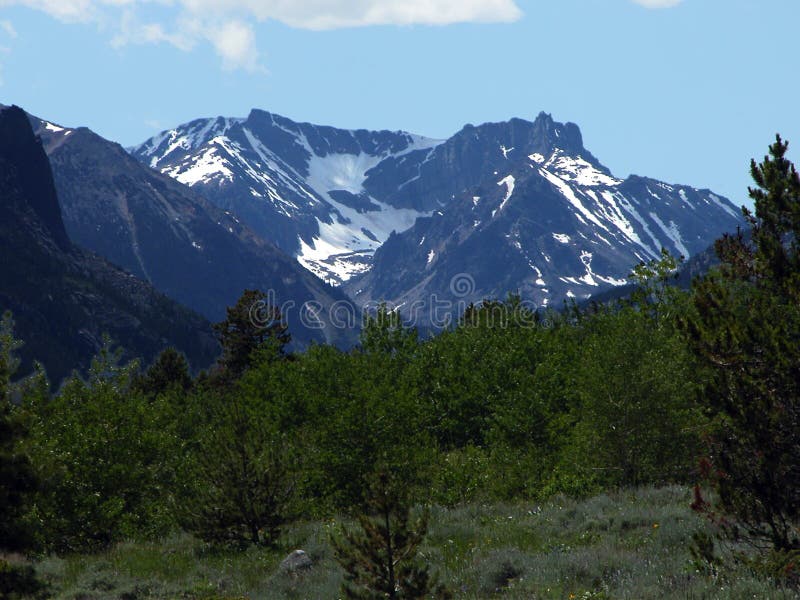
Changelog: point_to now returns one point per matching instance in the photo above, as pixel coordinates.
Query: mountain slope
(65, 299)
(548, 220)
(301, 186)
(169, 235)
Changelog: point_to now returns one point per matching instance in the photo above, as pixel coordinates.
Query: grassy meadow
(630, 544)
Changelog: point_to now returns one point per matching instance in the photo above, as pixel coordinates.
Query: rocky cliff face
(27, 171)
(64, 300)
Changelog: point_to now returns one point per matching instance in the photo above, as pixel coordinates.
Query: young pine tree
(380, 561)
(239, 483)
(745, 329)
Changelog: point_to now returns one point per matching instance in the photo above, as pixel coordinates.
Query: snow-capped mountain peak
(298, 184)
(545, 219)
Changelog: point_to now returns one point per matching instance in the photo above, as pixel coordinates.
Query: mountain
(513, 206)
(165, 233)
(309, 189)
(64, 299)
(543, 217)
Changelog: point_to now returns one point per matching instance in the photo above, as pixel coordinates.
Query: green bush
(105, 460)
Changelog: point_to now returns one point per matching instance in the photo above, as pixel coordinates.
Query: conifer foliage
(381, 561)
(746, 332)
(16, 473)
(170, 370)
(242, 485)
(249, 324)
(17, 479)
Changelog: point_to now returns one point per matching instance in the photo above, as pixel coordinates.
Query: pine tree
(776, 223)
(240, 481)
(380, 561)
(745, 329)
(170, 370)
(251, 323)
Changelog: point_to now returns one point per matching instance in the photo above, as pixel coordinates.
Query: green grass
(630, 544)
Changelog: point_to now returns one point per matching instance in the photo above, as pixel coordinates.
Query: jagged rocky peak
(295, 143)
(175, 144)
(517, 138)
(564, 135)
(21, 151)
(533, 211)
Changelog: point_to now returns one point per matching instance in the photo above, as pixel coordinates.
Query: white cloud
(658, 3)
(66, 10)
(228, 24)
(8, 28)
(235, 42)
(131, 30)
(333, 14)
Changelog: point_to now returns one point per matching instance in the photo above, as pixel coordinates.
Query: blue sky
(685, 91)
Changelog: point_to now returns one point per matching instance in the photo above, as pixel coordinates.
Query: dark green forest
(698, 387)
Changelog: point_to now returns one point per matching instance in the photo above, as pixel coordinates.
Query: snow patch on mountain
(346, 234)
(56, 129)
(577, 170)
(673, 233)
(204, 167)
(591, 278)
(537, 158)
(724, 205)
(566, 190)
(345, 172)
(328, 262)
(509, 182)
